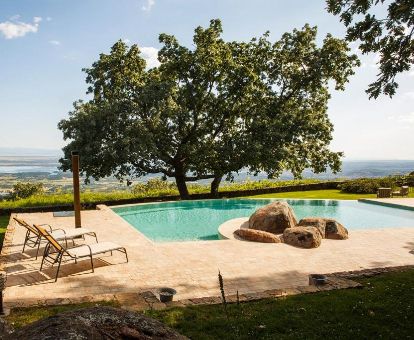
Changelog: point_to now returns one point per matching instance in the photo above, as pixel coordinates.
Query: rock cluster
(269, 221)
(328, 227)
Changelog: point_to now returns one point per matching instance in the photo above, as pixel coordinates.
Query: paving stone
(192, 267)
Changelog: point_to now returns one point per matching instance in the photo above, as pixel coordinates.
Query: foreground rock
(257, 235)
(96, 323)
(328, 227)
(273, 218)
(302, 237)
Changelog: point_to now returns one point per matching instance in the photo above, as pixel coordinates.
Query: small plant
(223, 295)
(25, 190)
(154, 185)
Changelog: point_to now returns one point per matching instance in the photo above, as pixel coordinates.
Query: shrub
(368, 185)
(154, 184)
(25, 190)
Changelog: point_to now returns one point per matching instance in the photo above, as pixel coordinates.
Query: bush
(25, 190)
(154, 184)
(406, 180)
(368, 185)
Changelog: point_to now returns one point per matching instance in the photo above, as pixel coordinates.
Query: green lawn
(4, 221)
(320, 194)
(23, 316)
(382, 309)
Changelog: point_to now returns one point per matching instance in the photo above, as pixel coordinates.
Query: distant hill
(17, 152)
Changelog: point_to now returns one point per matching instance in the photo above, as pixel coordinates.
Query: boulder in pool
(302, 237)
(273, 218)
(328, 227)
(257, 235)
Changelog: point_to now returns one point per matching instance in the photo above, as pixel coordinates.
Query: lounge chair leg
(93, 270)
(58, 268)
(126, 255)
(44, 255)
(25, 240)
(38, 246)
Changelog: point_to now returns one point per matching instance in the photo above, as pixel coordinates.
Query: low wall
(225, 194)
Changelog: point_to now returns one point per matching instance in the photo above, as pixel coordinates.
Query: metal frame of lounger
(57, 256)
(35, 241)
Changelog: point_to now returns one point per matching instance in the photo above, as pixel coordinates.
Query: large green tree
(390, 36)
(210, 111)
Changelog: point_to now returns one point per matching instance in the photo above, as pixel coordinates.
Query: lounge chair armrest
(46, 225)
(64, 232)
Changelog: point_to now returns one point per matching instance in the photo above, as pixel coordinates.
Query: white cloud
(150, 54)
(148, 5)
(408, 94)
(55, 42)
(404, 118)
(15, 29)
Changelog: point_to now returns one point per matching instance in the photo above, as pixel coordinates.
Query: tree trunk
(214, 186)
(182, 187)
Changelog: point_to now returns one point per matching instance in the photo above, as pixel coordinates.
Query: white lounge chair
(75, 253)
(33, 237)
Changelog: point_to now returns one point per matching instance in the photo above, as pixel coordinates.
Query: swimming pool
(199, 220)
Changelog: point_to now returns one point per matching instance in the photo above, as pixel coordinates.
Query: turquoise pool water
(199, 220)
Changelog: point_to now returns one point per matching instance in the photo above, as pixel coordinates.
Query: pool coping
(386, 204)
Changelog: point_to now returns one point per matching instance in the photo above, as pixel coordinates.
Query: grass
(4, 221)
(23, 316)
(333, 194)
(159, 189)
(382, 309)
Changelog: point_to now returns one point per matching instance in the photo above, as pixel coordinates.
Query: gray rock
(96, 323)
(328, 227)
(257, 235)
(273, 218)
(302, 237)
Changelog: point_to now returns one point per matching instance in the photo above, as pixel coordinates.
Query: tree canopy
(391, 36)
(210, 111)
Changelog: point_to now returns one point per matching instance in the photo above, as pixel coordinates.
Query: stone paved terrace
(190, 267)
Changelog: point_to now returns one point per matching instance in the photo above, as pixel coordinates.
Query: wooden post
(76, 190)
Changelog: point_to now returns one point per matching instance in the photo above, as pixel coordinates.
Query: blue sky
(44, 44)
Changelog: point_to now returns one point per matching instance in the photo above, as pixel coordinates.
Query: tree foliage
(391, 37)
(25, 190)
(210, 111)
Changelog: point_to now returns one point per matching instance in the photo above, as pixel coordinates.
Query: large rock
(257, 235)
(328, 227)
(273, 218)
(302, 237)
(96, 323)
(335, 230)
